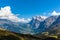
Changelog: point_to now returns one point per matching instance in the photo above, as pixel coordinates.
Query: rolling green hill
(7, 35)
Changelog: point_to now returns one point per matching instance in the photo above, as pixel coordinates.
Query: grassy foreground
(7, 35)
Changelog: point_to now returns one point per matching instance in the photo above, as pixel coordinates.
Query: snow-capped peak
(40, 18)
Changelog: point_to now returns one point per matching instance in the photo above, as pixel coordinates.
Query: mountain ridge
(35, 26)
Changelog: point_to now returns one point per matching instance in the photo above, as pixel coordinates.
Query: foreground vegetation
(7, 35)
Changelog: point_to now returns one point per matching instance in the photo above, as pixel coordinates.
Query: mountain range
(38, 24)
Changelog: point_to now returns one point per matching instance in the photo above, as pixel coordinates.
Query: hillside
(7, 35)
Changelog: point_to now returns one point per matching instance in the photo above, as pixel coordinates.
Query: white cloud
(5, 13)
(54, 13)
(17, 15)
(23, 20)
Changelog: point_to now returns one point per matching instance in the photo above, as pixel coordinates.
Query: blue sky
(30, 8)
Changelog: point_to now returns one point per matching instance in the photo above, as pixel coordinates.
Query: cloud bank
(5, 13)
(54, 13)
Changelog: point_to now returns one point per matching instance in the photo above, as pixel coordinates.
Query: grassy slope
(7, 35)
